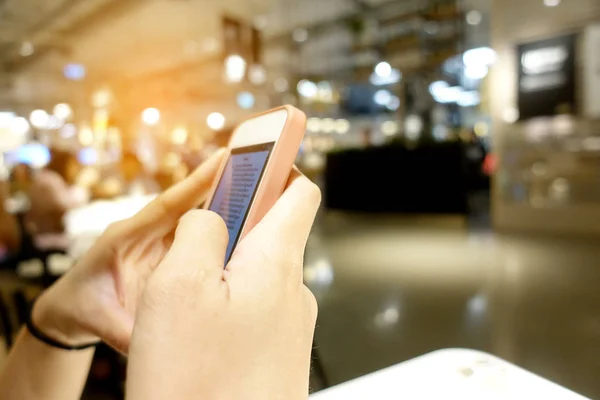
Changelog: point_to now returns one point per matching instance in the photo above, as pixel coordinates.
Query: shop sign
(547, 77)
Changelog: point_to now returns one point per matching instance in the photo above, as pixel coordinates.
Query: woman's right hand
(240, 333)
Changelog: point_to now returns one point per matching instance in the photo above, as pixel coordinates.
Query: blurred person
(51, 196)
(107, 187)
(20, 177)
(172, 169)
(10, 233)
(135, 177)
(65, 164)
(20, 181)
(154, 287)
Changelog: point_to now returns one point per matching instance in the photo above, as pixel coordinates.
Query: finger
(282, 234)
(197, 254)
(188, 194)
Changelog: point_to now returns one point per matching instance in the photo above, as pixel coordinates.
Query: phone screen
(237, 188)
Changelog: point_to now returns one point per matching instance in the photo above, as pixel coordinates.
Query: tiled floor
(390, 289)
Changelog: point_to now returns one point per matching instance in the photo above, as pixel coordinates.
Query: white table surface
(449, 374)
(85, 224)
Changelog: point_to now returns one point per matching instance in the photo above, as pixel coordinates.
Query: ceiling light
(68, 131)
(235, 68)
(394, 77)
(6, 118)
(39, 118)
(480, 56)
(74, 72)
(551, 3)
(510, 115)
(474, 17)
(86, 136)
(215, 121)
(19, 125)
(307, 88)
(62, 111)
(382, 97)
(54, 122)
(257, 75)
(393, 104)
(469, 99)
(179, 135)
(34, 154)
(151, 116)
(26, 49)
(476, 72)
(449, 95)
(101, 98)
(87, 156)
(383, 69)
(437, 87)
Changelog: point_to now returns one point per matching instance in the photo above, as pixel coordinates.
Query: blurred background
(457, 144)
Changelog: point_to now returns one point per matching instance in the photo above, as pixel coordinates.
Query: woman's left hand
(97, 299)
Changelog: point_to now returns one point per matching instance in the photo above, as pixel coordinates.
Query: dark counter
(425, 180)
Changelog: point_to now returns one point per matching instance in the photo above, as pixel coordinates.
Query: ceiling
(163, 52)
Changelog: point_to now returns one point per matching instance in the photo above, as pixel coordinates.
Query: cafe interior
(456, 144)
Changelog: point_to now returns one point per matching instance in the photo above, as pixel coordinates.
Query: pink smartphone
(261, 155)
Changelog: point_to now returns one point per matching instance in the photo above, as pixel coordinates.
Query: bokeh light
(246, 100)
(179, 135)
(62, 111)
(39, 118)
(215, 121)
(20, 126)
(235, 68)
(307, 88)
(383, 69)
(151, 116)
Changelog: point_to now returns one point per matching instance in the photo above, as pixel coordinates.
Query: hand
(240, 333)
(98, 298)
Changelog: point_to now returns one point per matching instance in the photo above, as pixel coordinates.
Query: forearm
(35, 370)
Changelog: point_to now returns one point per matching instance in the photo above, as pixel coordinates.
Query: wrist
(57, 319)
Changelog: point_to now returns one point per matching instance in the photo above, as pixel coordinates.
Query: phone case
(277, 170)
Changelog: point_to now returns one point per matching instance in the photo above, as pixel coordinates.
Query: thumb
(197, 255)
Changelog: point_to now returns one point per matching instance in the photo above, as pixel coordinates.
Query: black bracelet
(41, 336)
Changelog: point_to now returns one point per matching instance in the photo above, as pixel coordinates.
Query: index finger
(187, 194)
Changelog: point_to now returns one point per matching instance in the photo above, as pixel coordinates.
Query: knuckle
(204, 218)
(311, 190)
(115, 229)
